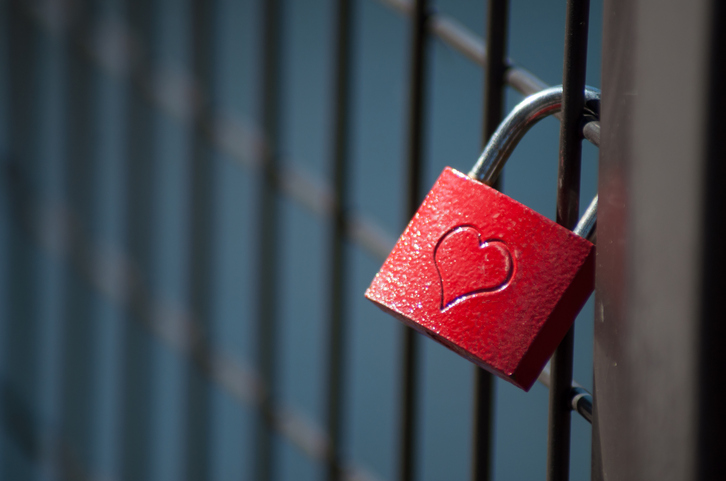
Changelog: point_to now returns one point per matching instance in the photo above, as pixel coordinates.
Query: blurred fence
(184, 264)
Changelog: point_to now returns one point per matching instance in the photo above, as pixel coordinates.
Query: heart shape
(468, 266)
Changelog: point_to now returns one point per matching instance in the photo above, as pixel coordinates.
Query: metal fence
(89, 320)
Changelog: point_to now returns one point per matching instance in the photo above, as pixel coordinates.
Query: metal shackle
(522, 118)
(586, 225)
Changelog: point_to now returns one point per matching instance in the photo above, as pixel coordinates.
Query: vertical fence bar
(201, 231)
(268, 233)
(414, 174)
(21, 311)
(494, 84)
(79, 312)
(339, 267)
(568, 197)
(137, 382)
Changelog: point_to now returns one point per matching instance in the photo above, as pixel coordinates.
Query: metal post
(659, 330)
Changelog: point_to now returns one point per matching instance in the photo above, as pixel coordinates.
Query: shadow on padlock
(485, 275)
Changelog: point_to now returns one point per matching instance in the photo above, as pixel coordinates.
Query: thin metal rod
(568, 197)
(137, 382)
(410, 372)
(494, 86)
(21, 301)
(580, 399)
(267, 228)
(496, 67)
(581, 402)
(558, 440)
(78, 322)
(201, 250)
(339, 267)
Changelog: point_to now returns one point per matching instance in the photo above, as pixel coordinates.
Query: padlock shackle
(522, 118)
(586, 225)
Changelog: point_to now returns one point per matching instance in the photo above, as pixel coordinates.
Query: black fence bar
(80, 332)
(494, 85)
(198, 409)
(339, 267)
(568, 197)
(268, 227)
(140, 163)
(414, 173)
(21, 274)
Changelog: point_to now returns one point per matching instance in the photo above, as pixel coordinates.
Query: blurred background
(165, 239)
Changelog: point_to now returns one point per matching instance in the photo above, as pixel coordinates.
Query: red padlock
(485, 275)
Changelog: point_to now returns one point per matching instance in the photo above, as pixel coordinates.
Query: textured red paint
(486, 276)
(470, 265)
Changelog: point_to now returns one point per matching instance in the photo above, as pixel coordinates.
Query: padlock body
(486, 276)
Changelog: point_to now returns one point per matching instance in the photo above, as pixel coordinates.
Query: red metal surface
(486, 276)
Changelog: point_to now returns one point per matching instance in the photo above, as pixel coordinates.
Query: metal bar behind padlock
(485, 275)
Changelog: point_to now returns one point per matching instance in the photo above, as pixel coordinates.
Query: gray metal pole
(659, 328)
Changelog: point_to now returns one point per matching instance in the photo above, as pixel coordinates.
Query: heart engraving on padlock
(468, 265)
